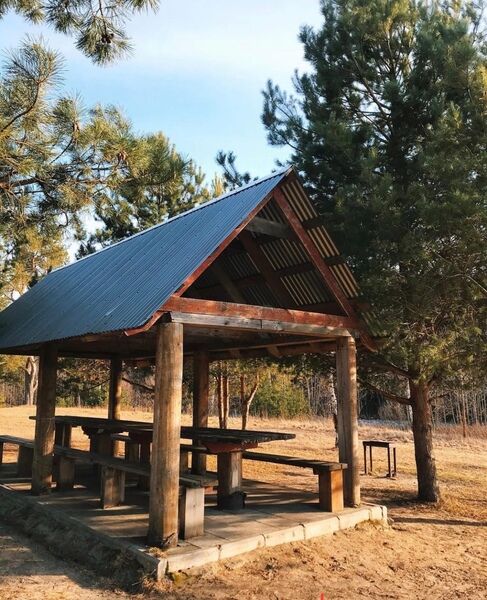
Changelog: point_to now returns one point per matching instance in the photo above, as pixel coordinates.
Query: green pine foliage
(158, 184)
(98, 27)
(56, 157)
(389, 129)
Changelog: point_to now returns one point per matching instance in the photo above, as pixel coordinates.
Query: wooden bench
(330, 476)
(112, 493)
(25, 455)
(191, 493)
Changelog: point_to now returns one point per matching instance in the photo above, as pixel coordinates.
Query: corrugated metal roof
(121, 286)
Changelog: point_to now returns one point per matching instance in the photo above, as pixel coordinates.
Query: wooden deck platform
(273, 515)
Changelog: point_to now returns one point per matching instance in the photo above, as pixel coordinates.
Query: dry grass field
(427, 552)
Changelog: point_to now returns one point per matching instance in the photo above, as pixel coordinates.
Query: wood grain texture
(164, 481)
(347, 417)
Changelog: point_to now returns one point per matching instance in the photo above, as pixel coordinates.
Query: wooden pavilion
(252, 273)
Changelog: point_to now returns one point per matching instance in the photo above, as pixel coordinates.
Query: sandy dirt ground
(426, 552)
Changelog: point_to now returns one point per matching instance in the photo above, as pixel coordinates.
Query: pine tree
(158, 184)
(97, 26)
(55, 158)
(389, 130)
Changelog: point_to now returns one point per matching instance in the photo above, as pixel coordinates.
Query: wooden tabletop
(208, 434)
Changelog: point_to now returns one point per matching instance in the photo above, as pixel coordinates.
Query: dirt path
(424, 555)
(30, 572)
(427, 553)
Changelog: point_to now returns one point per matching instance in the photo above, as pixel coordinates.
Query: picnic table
(391, 472)
(227, 444)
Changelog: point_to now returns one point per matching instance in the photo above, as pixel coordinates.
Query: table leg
(370, 456)
(389, 473)
(394, 457)
(230, 495)
(365, 459)
(144, 482)
(104, 444)
(62, 436)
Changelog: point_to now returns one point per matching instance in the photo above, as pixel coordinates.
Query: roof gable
(123, 285)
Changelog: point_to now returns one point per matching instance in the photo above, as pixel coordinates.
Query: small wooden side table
(381, 444)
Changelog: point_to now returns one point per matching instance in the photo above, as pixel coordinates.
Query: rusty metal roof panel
(121, 286)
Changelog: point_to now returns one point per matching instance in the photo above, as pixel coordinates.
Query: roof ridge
(178, 216)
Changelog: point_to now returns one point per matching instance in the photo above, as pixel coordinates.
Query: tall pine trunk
(246, 401)
(225, 400)
(428, 490)
(30, 380)
(219, 390)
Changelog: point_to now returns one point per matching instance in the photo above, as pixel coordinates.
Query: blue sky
(196, 73)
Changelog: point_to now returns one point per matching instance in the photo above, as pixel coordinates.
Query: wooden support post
(230, 495)
(164, 481)
(348, 447)
(201, 366)
(330, 490)
(191, 512)
(44, 432)
(115, 396)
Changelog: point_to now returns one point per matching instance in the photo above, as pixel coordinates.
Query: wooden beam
(258, 325)
(270, 275)
(347, 417)
(164, 479)
(201, 383)
(227, 284)
(270, 228)
(321, 347)
(44, 430)
(313, 253)
(284, 315)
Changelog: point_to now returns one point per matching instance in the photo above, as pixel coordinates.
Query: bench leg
(184, 461)
(112, 487)
(24, 461)
(132, 452)
(191, 512)
(65, 473)
(330, 489)
(144, 481)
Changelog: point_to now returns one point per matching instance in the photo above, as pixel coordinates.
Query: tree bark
(428, 490)
(225, 400)
(31, 380)
(219, 389)
(246, 401)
